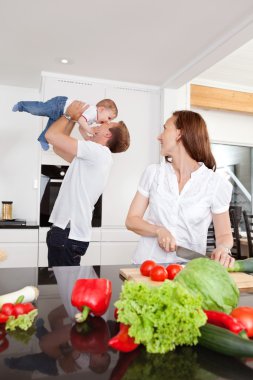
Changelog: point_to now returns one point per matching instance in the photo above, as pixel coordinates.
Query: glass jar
(7, 210)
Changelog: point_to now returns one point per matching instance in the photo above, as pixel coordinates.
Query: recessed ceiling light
(64, 60)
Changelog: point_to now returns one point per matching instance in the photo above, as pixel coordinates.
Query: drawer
(118, 253)
(19, 255)
(11, 235)
(92, 255)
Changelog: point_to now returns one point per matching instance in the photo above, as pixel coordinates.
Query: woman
(183, 195)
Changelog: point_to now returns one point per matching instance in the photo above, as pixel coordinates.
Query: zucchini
(245, 266)
(225, 342)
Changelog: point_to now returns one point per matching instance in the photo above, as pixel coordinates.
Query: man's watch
(67, 116)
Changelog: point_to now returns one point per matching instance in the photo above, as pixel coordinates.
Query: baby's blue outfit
(53, 109)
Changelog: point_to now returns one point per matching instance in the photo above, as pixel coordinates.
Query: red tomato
(8, 309)
(158, 273)
(244, 314)
(173, 270)
(3, 318)
(23, 308)
(146, 267)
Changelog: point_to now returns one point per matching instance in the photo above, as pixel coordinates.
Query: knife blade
(188, 254)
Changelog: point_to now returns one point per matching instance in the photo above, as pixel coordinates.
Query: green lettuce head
(208, 278)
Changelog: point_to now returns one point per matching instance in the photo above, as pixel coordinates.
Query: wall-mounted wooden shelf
(221, 99)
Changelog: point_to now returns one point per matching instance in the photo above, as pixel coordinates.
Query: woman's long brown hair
(194, 136)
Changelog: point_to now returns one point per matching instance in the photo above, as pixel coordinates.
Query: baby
(104, 111)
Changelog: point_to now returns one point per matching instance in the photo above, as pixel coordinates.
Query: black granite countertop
(18, 224)
(54, 349)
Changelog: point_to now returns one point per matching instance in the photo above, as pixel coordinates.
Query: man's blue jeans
(63, 251)
(53, 109)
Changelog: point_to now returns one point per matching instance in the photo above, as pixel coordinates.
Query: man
(90, 164)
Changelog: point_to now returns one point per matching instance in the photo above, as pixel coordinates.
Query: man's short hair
(109, 104)
(120, 140)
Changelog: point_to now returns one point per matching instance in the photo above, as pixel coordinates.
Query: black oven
(51, 180)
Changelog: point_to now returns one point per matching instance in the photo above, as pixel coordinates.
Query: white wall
(174, 100)
(19, 153)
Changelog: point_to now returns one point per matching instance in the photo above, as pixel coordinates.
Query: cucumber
(225, 342)
(245, 266)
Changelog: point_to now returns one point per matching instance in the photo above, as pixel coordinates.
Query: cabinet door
(92, 255)
(84, 90)
(18, 235)
(19, 255)
(73, 88)
(117, 253)
(19, 164)
(140, 110)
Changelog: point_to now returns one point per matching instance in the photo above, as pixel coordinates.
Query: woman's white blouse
(187, 215)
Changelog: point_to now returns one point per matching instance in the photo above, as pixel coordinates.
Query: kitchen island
(54, 348)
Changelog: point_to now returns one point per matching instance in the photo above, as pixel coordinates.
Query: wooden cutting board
(243, 281)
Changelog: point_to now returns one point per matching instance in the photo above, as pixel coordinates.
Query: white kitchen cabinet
(118, 234)
(20, 153)
(117, 252)
(92, 255)
(19, 255)
(74, 88)
(139, 108)
(20, 247)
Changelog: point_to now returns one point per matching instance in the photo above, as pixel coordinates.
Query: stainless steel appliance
(51, 180)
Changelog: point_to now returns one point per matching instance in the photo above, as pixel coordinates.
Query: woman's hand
(166, 240)
(221, 255)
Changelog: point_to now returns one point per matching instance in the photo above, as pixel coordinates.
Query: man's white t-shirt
(187, 215)
(83, 184)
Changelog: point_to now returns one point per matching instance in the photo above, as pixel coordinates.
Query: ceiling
(235, 69)
(163, 42)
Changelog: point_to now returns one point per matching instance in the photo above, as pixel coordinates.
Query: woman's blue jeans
(63, 251)
(53, 109)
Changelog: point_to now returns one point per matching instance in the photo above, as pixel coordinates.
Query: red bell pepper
(122, 341)
(90, 336)
(221, 319)
(91, 295)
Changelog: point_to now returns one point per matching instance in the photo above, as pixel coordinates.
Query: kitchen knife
(188, 254)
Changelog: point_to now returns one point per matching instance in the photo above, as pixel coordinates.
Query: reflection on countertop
(56, 346)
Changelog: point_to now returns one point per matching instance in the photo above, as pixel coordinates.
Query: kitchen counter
(12, 225)
(54, 348)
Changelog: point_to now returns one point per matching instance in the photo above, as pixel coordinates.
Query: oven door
(49, 191)
(48, 198)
